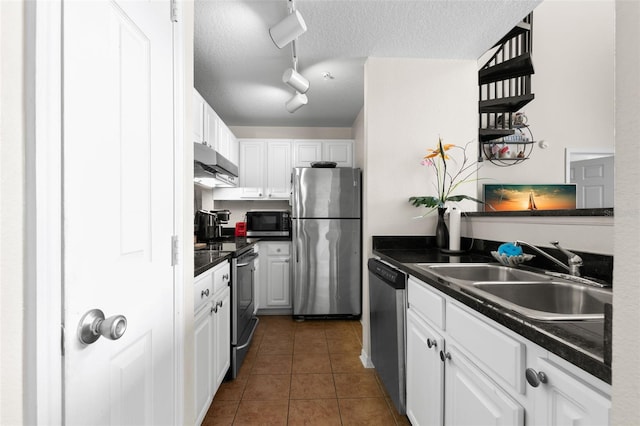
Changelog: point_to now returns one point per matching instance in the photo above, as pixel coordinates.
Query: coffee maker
(206, 226)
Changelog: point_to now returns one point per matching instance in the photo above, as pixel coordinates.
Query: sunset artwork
(508, 197)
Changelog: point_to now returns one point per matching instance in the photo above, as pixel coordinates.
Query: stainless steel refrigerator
(326, 237)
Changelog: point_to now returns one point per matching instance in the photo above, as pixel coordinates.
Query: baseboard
(366, 360)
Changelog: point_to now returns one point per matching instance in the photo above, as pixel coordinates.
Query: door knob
(445, 356)
(93, 325)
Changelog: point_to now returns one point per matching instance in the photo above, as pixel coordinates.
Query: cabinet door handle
(219, 304)
(225, 277)
(432, 343)
(445, 356)
(534, 377)
(204, 293)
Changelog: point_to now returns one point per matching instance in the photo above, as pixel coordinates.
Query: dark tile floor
(304, 373)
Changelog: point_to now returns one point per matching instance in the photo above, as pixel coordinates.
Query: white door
(118, 210)
(278, 169)
(594, 182)
(425, 373)
(472, 399)
(566, 400)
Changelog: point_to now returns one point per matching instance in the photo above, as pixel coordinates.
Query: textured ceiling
(239, 70)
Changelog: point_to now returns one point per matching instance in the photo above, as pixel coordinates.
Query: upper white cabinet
(306, 151)
(265, 171)
(198, 117)
(339, 151)
(209, 129)
(265, 164)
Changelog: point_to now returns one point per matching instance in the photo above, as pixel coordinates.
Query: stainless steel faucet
(574, 262)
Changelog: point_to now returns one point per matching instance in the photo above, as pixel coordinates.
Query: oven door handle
(248, 262)
(248, 342)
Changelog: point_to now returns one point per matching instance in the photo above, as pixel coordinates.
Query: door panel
(327, 277)
(594, 182)
(118, 210)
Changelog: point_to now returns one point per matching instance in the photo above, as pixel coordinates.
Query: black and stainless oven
(243, 320)
(268, 223)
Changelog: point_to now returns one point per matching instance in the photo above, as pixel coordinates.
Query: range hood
(209, 164)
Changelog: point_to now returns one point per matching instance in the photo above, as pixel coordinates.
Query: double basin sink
(535, 295)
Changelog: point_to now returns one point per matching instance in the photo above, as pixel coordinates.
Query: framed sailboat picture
(516, 197)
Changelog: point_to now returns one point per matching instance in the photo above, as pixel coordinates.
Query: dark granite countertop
(581, 342)
(225, 248)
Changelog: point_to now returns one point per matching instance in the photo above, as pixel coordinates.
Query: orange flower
(436, 152)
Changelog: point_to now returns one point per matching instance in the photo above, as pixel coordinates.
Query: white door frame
(44, 239)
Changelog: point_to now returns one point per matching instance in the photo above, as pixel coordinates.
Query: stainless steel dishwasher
(387, 306)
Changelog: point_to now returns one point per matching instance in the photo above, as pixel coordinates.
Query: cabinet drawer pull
(432, 343)
(445, 356)
(535, 378)
(204, 293)
(219, 304)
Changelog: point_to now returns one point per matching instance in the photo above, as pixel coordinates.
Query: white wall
(291, 132)
(408, 104)
(12, 212)
(573, 57)
(358, 135)
(626, 296)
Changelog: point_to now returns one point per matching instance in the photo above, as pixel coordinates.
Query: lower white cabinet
(468, 369)
(471, 398)
(275, 276)
(212, 335)
(565, 399)
(425, 373)
(203, 336)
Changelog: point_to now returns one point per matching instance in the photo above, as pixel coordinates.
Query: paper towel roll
(454, 229)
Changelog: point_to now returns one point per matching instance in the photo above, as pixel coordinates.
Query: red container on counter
(241, 229)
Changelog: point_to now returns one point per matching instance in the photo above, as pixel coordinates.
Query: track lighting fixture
(298, 101)
(295, 80)
(287, 30)
(283, 33)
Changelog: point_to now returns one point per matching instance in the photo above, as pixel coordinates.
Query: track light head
(287, 30)
(295, 80)
(298, 101)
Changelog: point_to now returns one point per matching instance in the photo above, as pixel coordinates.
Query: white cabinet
(275, 277)
(471, 398)
(203, 363)
(212, 334)
(209, 129)
(484, 366)
(425, 372)
(306, 151)
(265, 171)
(221, 336)
(567, 399)
(198, 117)
(339, 151)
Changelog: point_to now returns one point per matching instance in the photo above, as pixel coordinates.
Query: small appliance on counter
(205, 226)
(223, 219)
(268, 223)
(241, 229)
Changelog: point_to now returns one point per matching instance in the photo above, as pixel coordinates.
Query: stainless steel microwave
(268, 223)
